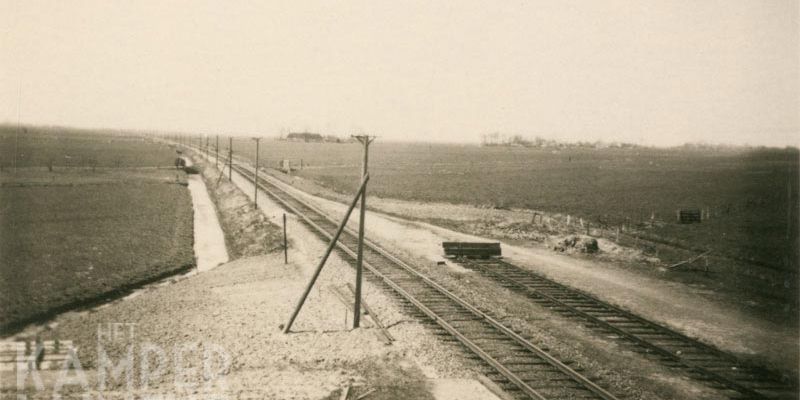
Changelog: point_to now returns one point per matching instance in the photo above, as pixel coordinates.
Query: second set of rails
(673, 349)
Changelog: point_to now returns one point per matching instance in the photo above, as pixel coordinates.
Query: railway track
(520, 367)
(700, 361)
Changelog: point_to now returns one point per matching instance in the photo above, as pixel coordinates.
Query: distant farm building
(304, 137)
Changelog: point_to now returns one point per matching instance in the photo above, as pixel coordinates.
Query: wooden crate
(690, 216)
(471, 249)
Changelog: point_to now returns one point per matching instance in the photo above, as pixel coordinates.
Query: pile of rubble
(577, 243)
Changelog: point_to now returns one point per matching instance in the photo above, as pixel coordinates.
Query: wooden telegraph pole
(216, 153)
(16, 134)
(789, 210)
(16, 147)
(365, 140)
(255, 182)
(230, 159)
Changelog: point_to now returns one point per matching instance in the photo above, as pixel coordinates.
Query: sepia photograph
(416, 200)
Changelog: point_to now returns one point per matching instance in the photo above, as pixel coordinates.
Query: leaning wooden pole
(328, 251)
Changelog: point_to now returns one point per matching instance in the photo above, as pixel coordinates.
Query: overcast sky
(653, 72)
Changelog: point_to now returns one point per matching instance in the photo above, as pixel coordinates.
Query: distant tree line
(499, 139)
(313, 137)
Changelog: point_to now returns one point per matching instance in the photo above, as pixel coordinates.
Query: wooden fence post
(230, 159)
(285, 245)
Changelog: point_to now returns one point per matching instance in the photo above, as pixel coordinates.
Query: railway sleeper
(522, 362)
(509, 352)
(548, 384)
(554, 393)
(580, 303)
(490, 336)
(595, 312)
(717, 365)
(640, 331)
(704, 360)
(618, 319)
(657, 338)
(542, 374)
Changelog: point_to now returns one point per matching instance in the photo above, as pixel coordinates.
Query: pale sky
(653, 72)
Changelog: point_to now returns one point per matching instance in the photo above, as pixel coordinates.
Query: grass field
(76, 235)
(62, 147)
(752, 195)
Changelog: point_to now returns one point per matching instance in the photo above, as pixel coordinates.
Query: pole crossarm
(362, 138)
(328, 251)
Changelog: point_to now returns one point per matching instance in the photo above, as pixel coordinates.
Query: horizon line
(477, 142)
